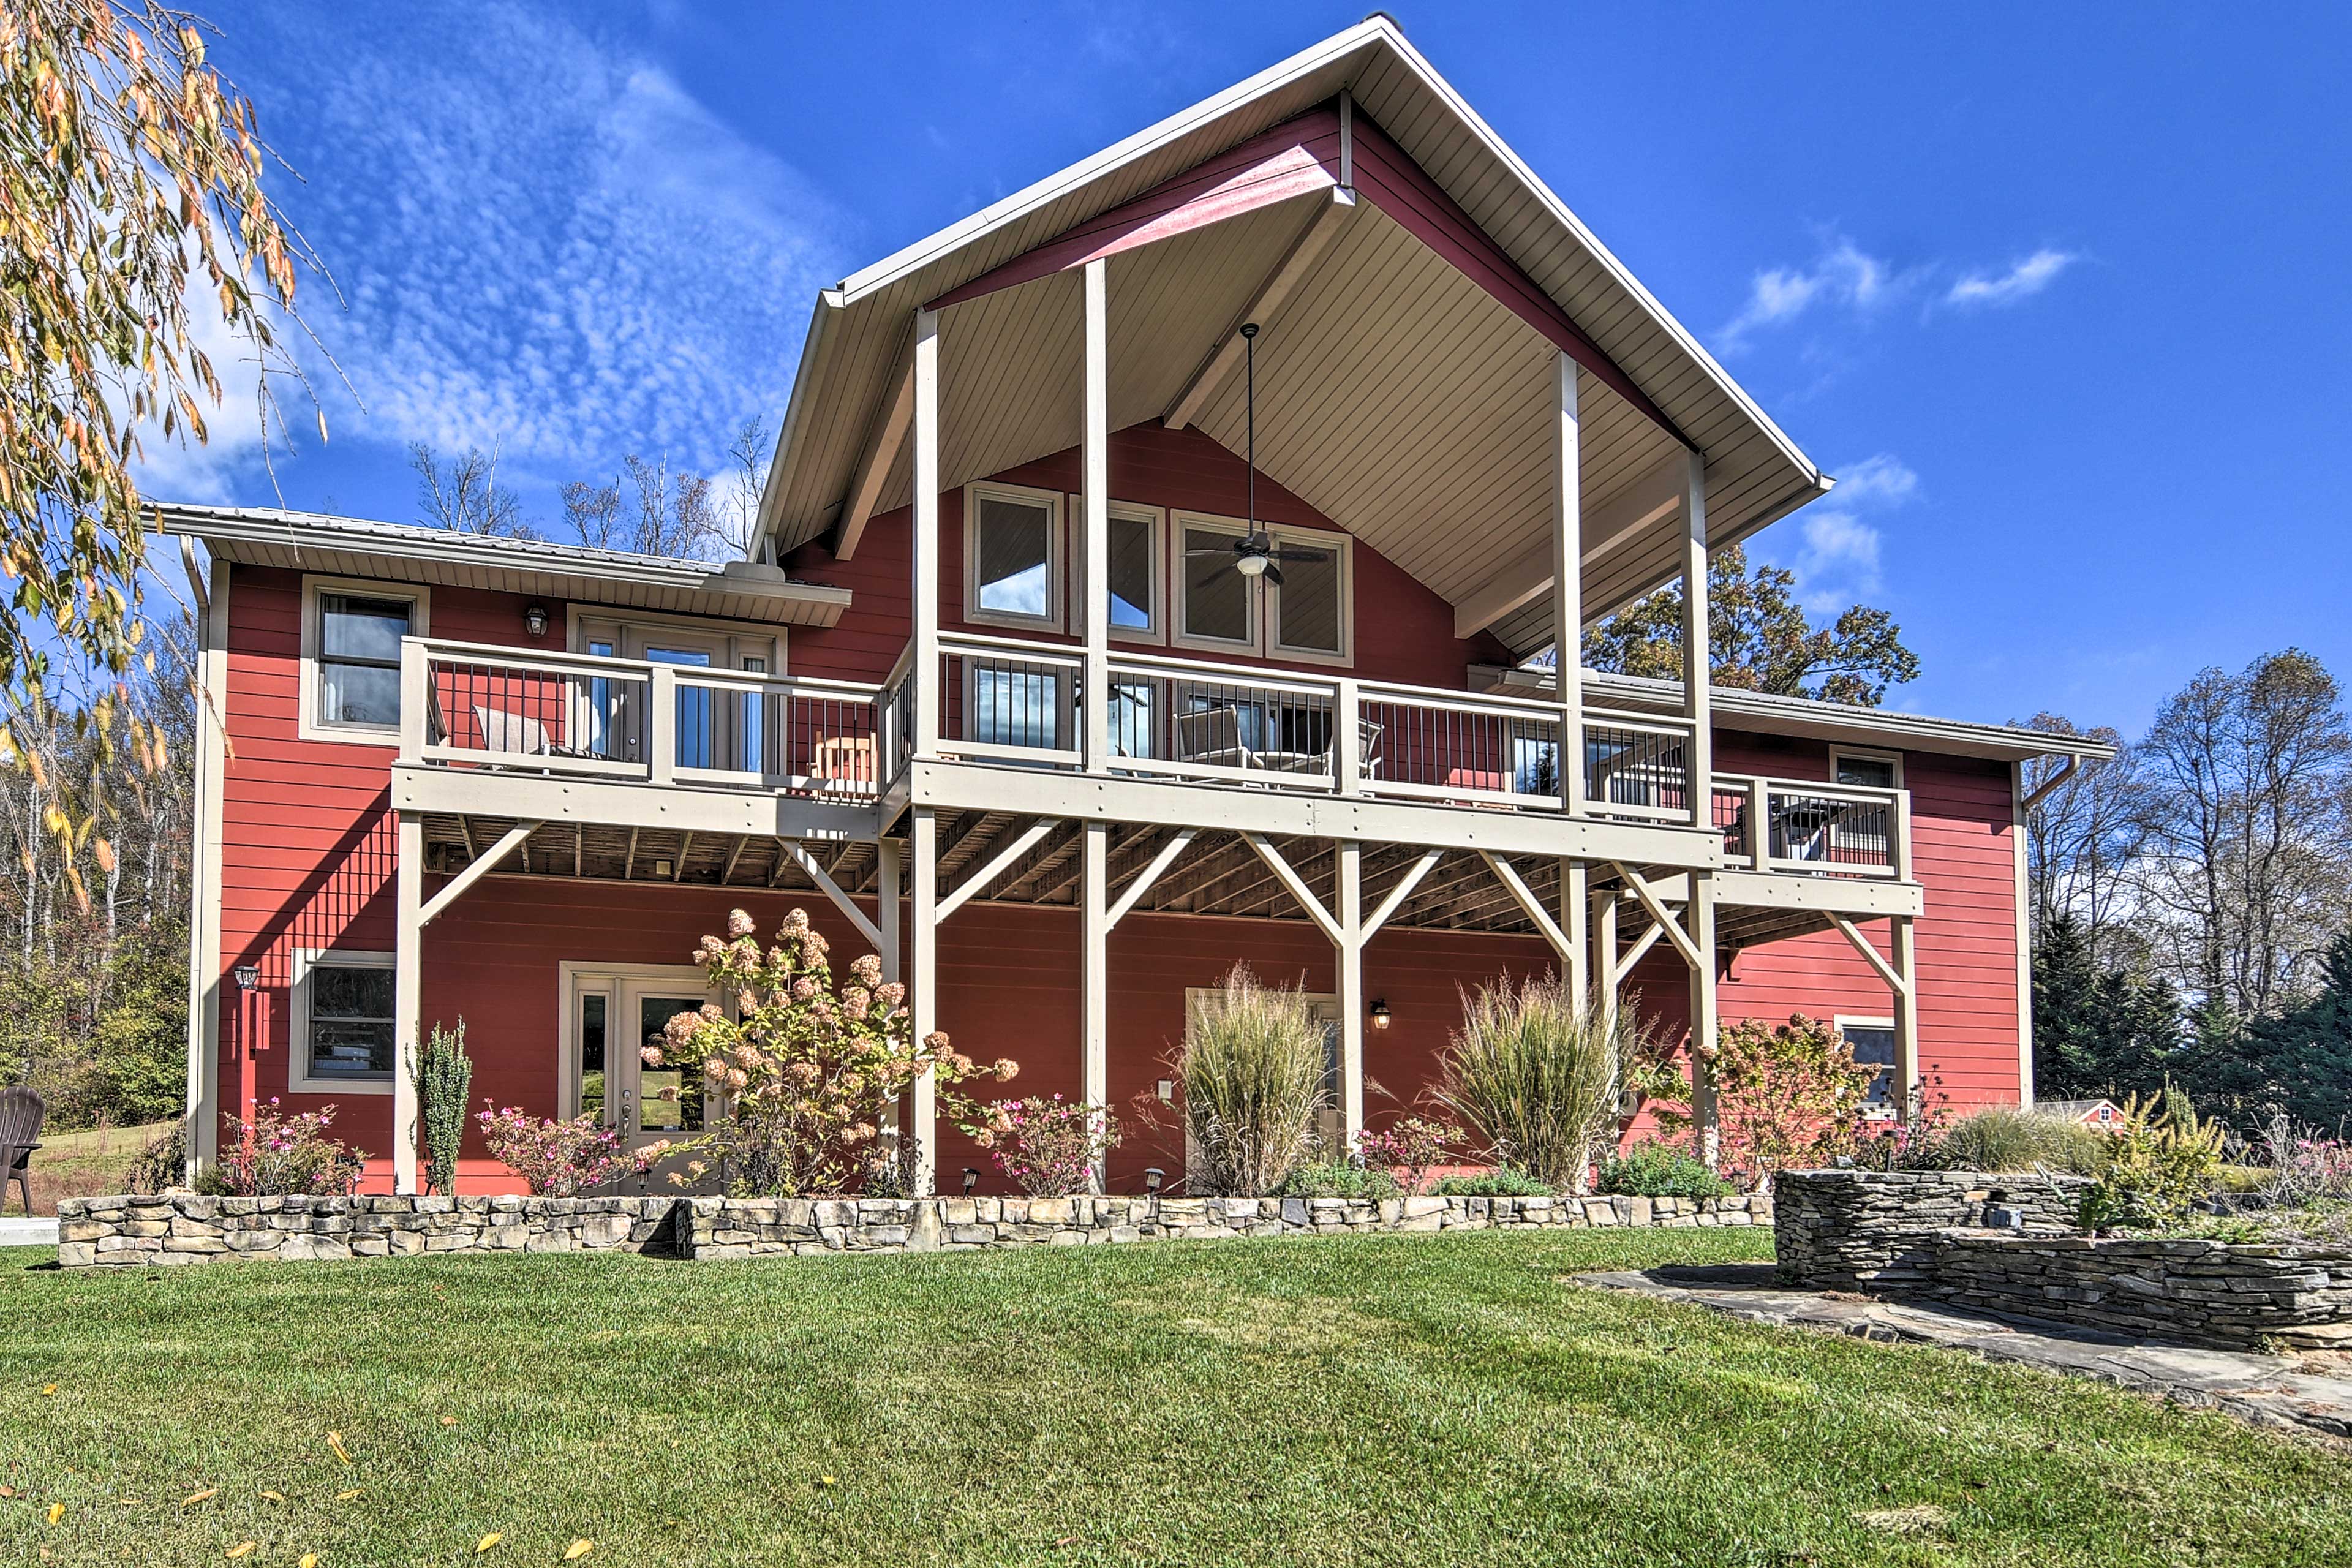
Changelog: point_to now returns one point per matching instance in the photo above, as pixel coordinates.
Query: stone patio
(2311, 1393)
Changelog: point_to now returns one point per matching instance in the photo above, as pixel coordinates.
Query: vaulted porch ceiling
(1404, 383)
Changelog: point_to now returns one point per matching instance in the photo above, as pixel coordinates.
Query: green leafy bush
(2002, 1138)
(1787, 1096)
(1339, 1179)
(2161, 1159)
(1252, 1067)
(1536, 1070)
(1503, 1181)
(445, 1076)
(1655, 1169)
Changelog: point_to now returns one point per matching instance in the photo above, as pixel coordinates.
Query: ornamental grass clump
(1999, 1138)
(1537, 1070)
(1046, 1145)
(1253, 1071)
(809, 1073)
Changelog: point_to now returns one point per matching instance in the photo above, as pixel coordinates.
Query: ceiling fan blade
(1287, 554)
(1220, 554)
(1273, 574)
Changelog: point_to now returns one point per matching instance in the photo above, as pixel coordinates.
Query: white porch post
(1697, 662)
(1568, 590)
(1093, 903)
(408, 997)
(1906, 1018)
(1574, 907)
(1605, 950)
(1704, 1019)
(926, 676)
(924, 999)
(1349, 892)
(1096, 480)
(885, 920)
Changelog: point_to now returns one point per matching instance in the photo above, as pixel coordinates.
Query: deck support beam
(1144, 878)
(1568, 586)
(996, 866)
(408, 997)
(832, 890)
(923, 998)
(1706, 1021)
(1347, 891)
(475, 870)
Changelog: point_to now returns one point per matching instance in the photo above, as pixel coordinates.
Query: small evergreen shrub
(1657, 1169)
(2162, 1159)
(1339, 1179)
(1503, 1181)
(445, 1076)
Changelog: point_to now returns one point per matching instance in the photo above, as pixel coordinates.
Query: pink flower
(739, 924)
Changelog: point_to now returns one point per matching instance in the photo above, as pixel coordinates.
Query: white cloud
(1843, 274)
(1837, 561)
(543, 242)
(2026, 279)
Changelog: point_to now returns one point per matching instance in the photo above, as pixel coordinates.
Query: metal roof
(1396, 395)
(318, 542)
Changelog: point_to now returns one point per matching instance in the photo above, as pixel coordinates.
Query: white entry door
(614, 1016)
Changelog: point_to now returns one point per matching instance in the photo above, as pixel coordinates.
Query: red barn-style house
(1148, 579)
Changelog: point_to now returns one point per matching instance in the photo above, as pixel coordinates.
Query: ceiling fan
(1254, 553)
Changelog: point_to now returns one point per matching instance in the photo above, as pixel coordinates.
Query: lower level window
(1872, 1045)
(348, 1017)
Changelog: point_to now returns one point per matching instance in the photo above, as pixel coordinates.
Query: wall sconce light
(248, 976)
(1379, 1014)
(1152, 1177)
(1167, 1091)
(970, 1180)
(534, 620)
(661, 869)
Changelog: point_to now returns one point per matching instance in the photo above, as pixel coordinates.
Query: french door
(615, 1014)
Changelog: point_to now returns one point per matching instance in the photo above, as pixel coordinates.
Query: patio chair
(21, 1112)
(1213, 735)
(515, 733)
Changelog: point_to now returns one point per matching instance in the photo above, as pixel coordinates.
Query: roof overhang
(1766, 713)
(354, 547)
(1405, 378)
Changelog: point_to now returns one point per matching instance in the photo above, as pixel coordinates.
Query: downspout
(2065, 771)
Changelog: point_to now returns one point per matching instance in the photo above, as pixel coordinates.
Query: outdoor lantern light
(970, 1180)
(248, 976)
(534, 620)
(1152, 1177)
(1379, 1014)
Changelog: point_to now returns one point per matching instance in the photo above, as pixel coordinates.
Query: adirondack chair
(21, 1112)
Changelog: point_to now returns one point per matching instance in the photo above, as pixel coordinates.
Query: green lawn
(1407, 1400)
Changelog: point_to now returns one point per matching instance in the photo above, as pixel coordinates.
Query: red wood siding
(1402, 631)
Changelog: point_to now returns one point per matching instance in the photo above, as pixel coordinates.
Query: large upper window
(1013, 556)
(343, 1021)
(350, 658)
(1309, 615)
(1138, 571)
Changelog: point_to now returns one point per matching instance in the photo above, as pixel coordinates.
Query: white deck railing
(481, 706)
(1818, 829)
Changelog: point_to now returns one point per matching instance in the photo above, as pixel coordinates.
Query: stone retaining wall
(2007, 1245)
(1854, 1230)
(182, 1228)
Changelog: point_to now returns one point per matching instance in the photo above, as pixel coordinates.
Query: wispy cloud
(2026, 279)
(571, 259)
(1842, 275)
(1837, 561)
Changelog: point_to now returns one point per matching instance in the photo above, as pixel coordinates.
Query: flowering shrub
(1786, 1097)
(809, 1073)
(2300, 1166)
(556, 1159)
(1045, 1144)
(1407, 1149)
(275, 1154)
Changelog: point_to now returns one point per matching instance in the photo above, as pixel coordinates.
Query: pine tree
(2304, 1055)
(2098, 1032)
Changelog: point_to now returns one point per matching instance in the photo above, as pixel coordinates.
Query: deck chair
(1213, 736)
(21, 1112)
(513, 733)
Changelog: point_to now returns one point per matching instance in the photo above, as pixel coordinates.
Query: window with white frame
(344, 1021)
(1309, 615)
(1872, 1040)
(1139, 570)
(1867, 770)
(351, 631)
(1013, 556)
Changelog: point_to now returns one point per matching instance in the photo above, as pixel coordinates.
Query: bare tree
(2084, 837)
(750, 453)
(648, 510)
(464, 495)
(2249, 821)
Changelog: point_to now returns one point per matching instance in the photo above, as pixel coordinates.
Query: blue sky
(2059, 292)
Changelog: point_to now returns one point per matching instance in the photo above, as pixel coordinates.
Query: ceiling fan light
(1251, 565)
